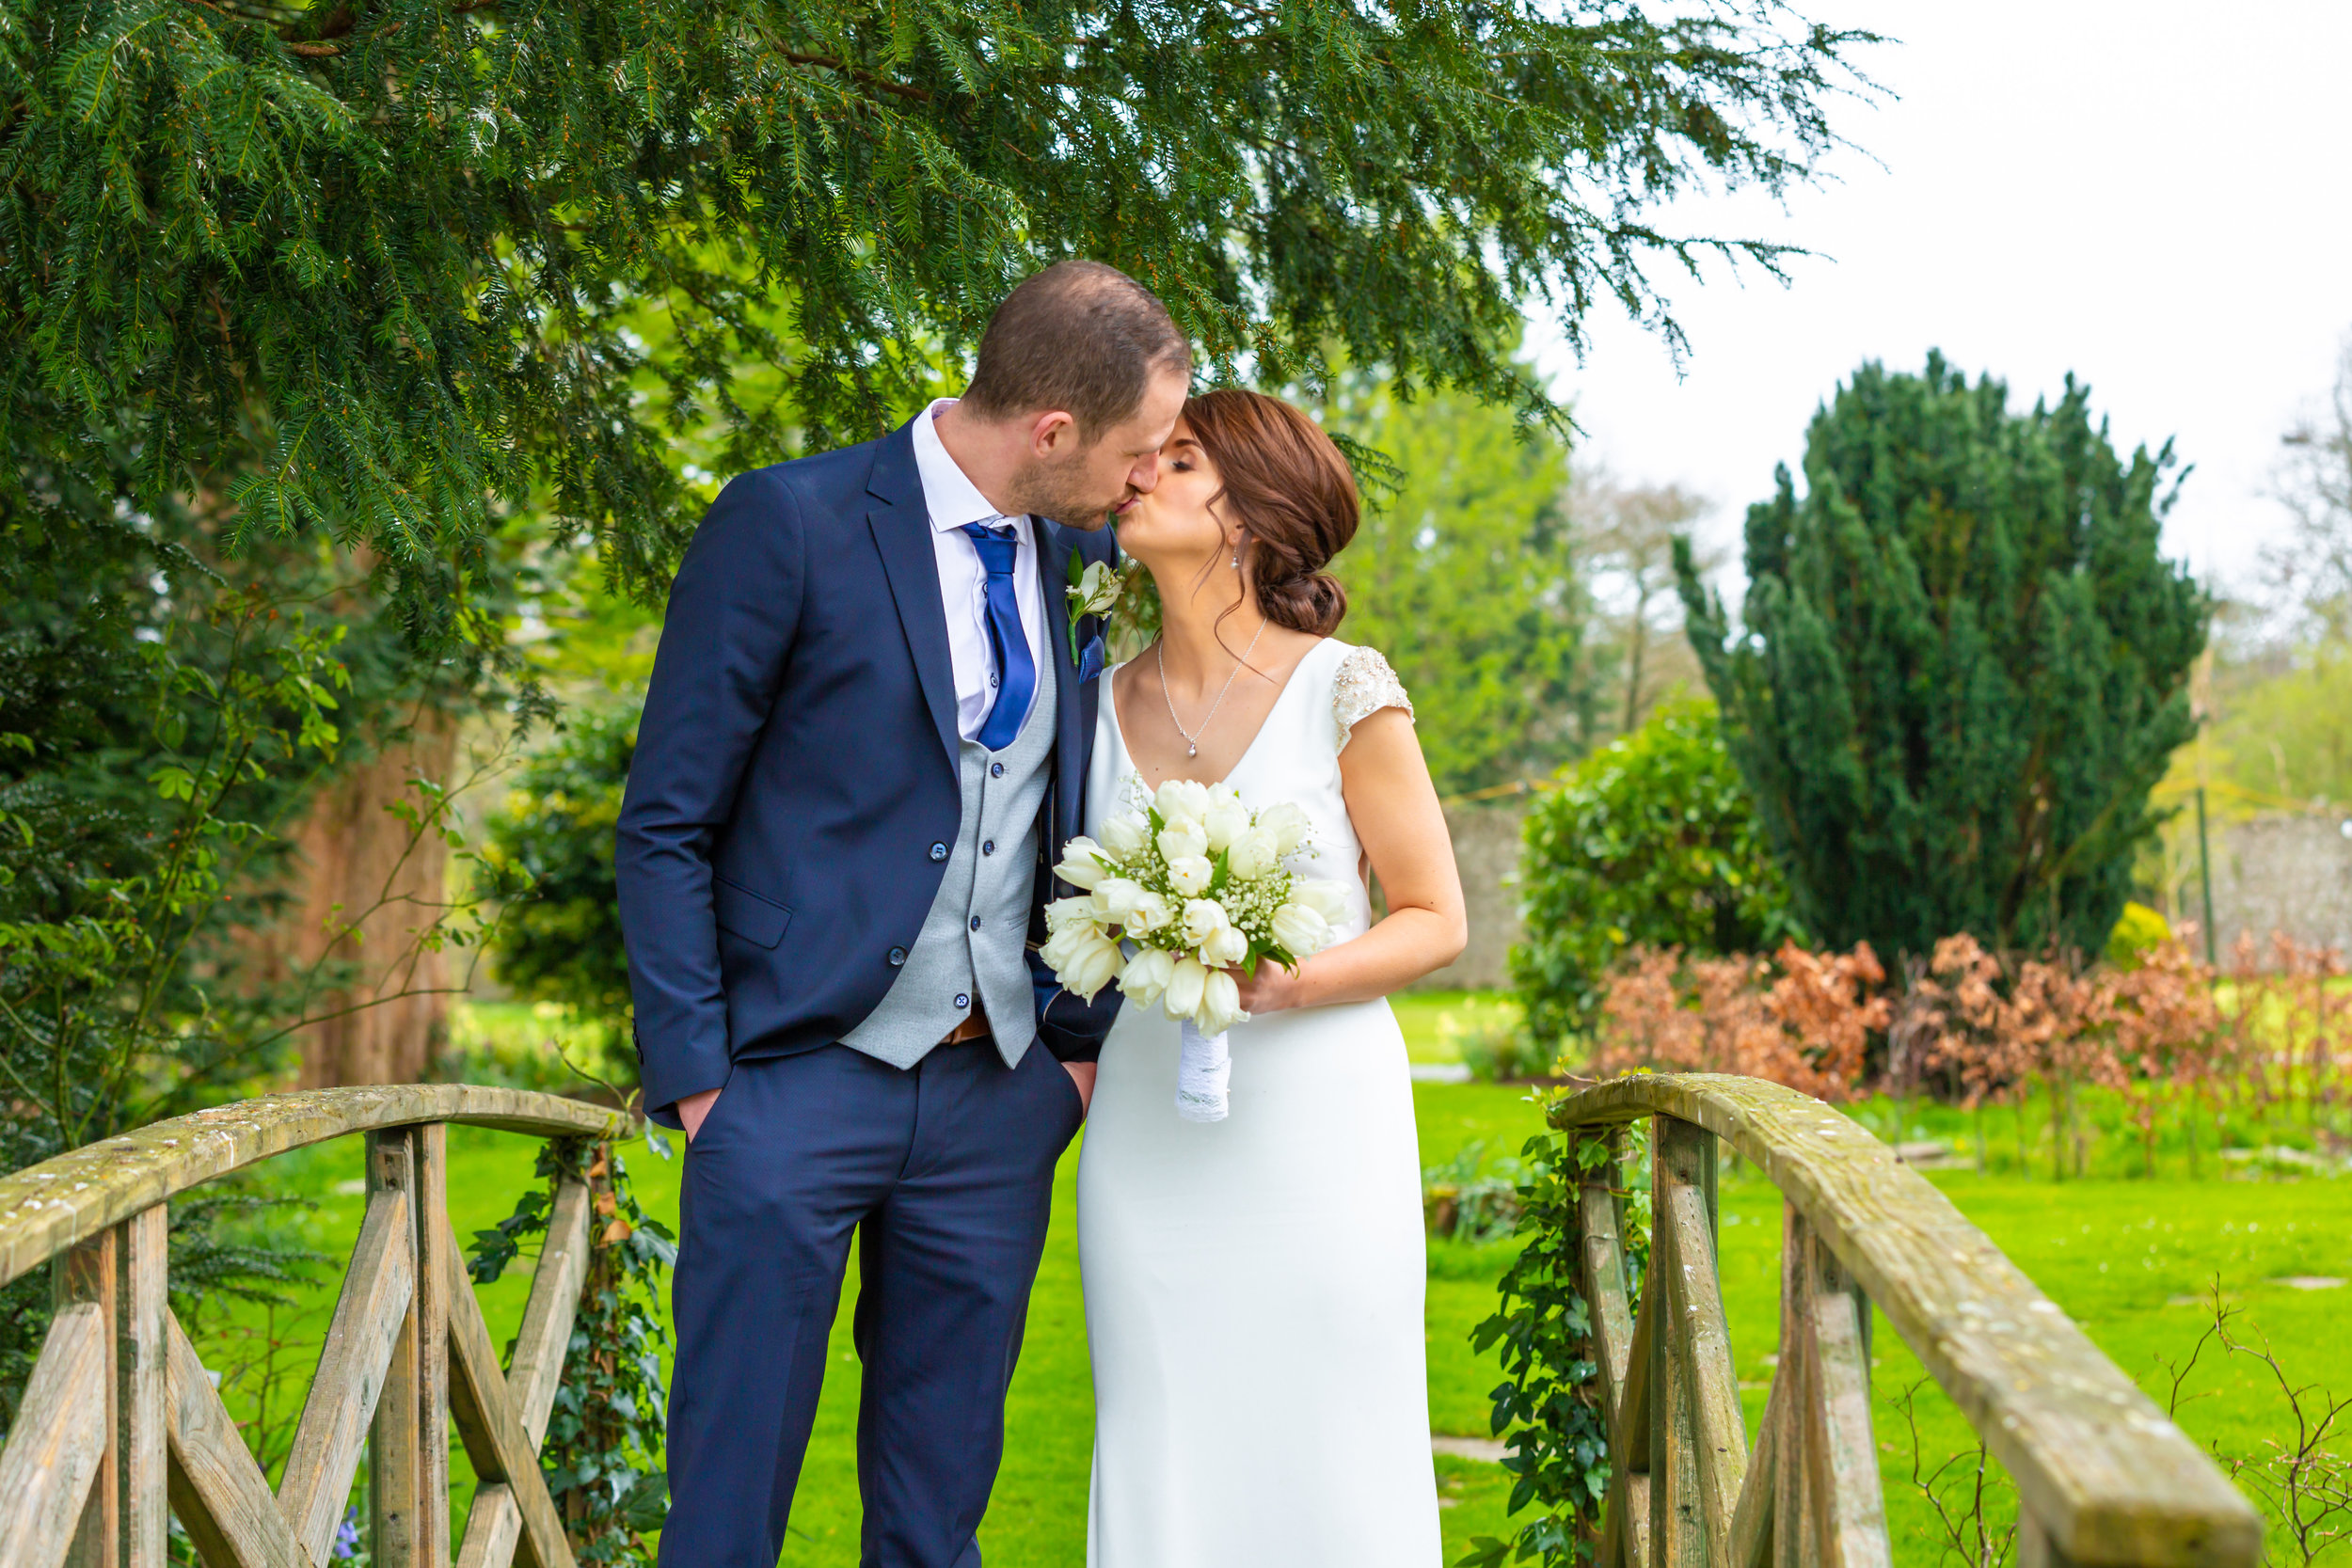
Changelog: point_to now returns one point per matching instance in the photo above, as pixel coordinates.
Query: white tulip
(1220, 1003)
(1253, 854)
(1061, 949)
(1114, 897)
(1125, 834)
(1078, 866)
(1287, 823)
(1065, 911)
(1223, 949)
(1146, 976)
(1328, 899)
(1190, 875)
(1301, 929)
(1148, 913)
(1182, 841)
(1203, 919)
(1185, 980)
(1182, 800)
(1091, 967)
(1227, 819)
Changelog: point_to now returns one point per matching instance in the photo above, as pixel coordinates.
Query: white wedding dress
(1254, 1286)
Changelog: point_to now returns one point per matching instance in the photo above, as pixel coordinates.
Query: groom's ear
(1054, 434)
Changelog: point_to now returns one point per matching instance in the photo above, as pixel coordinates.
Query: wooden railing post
(87, 1276)
(395, 1468)
(146, 1355)
(434, 1261)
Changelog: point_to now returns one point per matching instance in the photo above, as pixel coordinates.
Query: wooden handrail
(47, 1208)
(2102, 1476)
(121, 1426)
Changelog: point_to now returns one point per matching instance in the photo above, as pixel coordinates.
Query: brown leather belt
(970, 1029)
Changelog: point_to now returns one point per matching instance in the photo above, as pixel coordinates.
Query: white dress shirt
(954, 500)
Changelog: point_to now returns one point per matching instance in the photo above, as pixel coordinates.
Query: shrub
(1501, 1052)
(552, 842)
(1804, 1020)
(1651, 842)
(2137, 932)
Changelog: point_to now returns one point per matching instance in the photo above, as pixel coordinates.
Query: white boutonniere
(1092, 592)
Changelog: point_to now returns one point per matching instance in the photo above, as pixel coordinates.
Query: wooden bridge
(2102, 1476)
(120, 1426)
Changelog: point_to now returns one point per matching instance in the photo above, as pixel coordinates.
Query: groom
(865, 739)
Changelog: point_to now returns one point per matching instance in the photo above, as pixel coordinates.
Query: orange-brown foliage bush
(1804, 1020)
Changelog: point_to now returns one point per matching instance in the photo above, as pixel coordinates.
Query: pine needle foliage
(367, 266)
(1962, 665)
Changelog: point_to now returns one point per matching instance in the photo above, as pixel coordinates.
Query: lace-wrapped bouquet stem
(1181, 891)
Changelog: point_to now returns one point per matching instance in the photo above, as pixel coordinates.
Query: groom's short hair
(1079, 337)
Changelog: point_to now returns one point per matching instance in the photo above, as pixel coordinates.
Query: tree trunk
(363, 865)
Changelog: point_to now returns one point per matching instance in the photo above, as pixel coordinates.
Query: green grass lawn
(2125, 1258)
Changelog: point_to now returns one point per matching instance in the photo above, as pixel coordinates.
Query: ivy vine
(602, 1454)
(1548, 1400)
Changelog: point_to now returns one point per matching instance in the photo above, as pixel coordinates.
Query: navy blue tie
(1016, 671)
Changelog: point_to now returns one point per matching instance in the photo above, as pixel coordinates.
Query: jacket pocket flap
(757, 920)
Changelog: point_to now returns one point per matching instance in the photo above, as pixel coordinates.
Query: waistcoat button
(962, 1001)
(988, 846)
(898, 957)
(976, 922)
(995, 770)
(939, 851)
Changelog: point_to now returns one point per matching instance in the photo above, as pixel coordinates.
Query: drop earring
(1236, 555)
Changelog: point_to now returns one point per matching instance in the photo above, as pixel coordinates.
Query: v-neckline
(1119, 725)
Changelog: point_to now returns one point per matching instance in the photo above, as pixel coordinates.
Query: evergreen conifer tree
(366, 268)
(1961, 665)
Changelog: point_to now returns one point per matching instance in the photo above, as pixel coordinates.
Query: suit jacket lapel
(1074, 705)
(901, 526)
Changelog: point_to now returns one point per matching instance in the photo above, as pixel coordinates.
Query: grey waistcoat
(973, 947)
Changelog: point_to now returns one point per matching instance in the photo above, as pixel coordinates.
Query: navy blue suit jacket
(795, 783)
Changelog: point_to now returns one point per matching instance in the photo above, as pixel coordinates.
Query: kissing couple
(877, 718)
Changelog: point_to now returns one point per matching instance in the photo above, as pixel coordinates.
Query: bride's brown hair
(1293, 494)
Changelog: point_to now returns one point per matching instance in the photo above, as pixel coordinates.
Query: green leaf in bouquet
(1222, 873)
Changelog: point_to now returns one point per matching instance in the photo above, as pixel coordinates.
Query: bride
(1253, 1286)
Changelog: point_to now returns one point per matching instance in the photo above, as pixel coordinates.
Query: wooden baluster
(1848, 1504)
(1685, 1238)
(87, 1275)
(1622, 1355)
(1794, 1540)
(1678, 1521)
(145, 1427)
(395, 1464)
(436, 1258)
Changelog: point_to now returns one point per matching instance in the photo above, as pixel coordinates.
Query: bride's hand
(1274, 991)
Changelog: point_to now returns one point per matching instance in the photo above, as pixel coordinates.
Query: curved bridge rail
(121, 1426)
(2102, 1476)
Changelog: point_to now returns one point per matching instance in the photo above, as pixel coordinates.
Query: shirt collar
(951, 498)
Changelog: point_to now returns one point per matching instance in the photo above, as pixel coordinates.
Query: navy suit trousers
(946, 1173)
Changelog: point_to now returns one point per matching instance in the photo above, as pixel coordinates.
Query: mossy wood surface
(2104, 1475)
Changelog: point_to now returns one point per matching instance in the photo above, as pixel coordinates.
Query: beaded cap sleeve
(1365, 684)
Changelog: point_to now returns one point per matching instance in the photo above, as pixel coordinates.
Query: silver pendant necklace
(1192, 738)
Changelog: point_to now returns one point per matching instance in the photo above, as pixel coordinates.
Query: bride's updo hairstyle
(1294, 496)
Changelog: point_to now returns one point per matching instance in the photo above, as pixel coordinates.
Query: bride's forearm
(1409, 944)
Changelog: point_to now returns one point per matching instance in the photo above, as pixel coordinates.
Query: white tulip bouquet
(1178, 895)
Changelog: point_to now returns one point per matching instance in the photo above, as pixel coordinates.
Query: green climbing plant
(1549, 1402)
(602, 1453)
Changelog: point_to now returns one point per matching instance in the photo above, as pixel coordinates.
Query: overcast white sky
(2151, 195)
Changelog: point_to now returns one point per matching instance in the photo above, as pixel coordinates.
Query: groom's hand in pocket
(691, 1110)
(1082, 1074)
